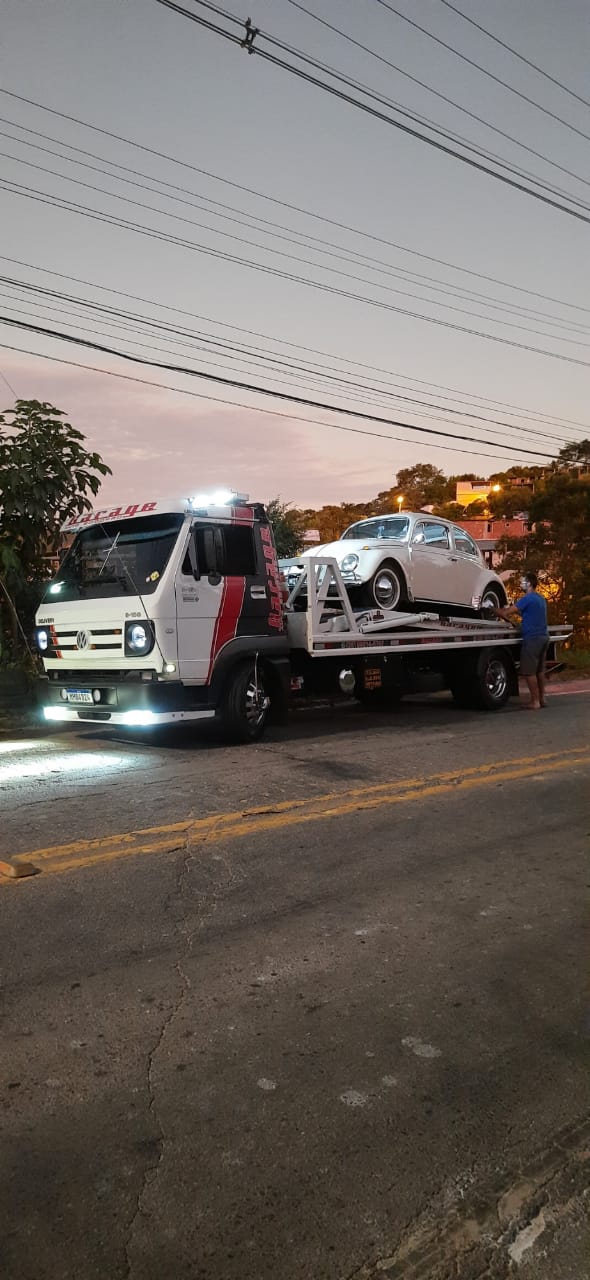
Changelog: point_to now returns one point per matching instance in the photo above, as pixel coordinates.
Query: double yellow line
(220, 827)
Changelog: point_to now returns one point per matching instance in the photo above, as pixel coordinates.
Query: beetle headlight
(139, 638)
(349, 564)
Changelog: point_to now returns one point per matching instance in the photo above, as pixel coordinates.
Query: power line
(167, 238)
(342, 226)
(532, 415)
(566, 88)
(433, 283)
(447, 306)
(363, 106)
(284, 369)
(442, 96)
(484, 70)
(258, 389)
(238, 404)
(8, 384)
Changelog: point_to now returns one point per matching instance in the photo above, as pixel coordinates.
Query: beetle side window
(428, 534)
(464, 543)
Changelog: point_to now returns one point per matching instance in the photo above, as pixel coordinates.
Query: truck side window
(236, 551)
(240, 553)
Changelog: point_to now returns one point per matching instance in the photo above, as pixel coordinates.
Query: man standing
(532, 608)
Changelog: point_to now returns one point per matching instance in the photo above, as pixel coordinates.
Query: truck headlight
(42, 640)
(139, 638)
(349, 564)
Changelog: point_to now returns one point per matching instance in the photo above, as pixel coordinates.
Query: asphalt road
(309, 1010)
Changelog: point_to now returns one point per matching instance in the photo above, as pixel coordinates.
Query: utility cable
(393, 66)
(379, 115)
(167, 238)
(258, 389)
(520, 410)
(342, 226)
(484, 70)
(238, 404)
(553, 80)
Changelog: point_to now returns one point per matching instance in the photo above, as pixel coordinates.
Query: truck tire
(246, 704)
(485, 681)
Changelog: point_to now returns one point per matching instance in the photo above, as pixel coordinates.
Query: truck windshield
(380, 527)
(121, 558)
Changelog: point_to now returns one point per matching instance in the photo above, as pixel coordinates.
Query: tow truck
(164, 613)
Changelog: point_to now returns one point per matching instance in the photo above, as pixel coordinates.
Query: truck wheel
(246, 704)
(386, 589)
(485, 682)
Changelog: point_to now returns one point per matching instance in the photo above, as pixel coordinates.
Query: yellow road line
(226, 826)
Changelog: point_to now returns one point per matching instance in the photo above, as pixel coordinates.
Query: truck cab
(165, 612)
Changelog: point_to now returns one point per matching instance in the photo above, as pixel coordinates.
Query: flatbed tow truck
(168, 613)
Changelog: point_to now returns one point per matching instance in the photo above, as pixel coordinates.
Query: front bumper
(124, 701)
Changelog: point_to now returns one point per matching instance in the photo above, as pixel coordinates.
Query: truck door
(222, 593)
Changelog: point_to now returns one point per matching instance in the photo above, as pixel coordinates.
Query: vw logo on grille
(82, 640)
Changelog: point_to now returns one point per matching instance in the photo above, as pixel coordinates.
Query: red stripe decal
(232, 599)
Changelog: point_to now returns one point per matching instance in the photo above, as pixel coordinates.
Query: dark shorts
(532, 655)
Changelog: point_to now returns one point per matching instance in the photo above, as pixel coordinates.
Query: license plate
(83, 697)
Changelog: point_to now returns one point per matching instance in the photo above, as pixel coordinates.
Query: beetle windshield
(123, 557)
(379, 527)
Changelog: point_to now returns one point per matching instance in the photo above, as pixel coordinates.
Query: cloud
(161, 443)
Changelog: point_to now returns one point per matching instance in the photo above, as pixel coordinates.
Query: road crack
(152, 1169)
(186, 936)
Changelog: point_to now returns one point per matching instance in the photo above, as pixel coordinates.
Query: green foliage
(576, 454)
(46, 475)
(558, 547)
(286, 526)
(508, 502)
(420, 486)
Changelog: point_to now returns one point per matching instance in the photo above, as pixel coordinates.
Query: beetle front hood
(348, 546)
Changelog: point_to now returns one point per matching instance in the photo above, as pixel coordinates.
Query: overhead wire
(510, 49)
(177, 160)
(276, 230)
(444, 148)
(334, 426)
(258, 388)
(177, 335)
(304, 378)
(165, 237)
(307, 262)
(393, 66)
(484, 70)
(520, 410)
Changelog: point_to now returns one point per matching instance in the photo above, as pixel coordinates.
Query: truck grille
(84, 640)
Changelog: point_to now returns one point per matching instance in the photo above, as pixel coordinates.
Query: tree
(287, 527)
(574, 455)
(452, 511)
(508, 502)
(559, 547)
(46, 475)
(421, 486)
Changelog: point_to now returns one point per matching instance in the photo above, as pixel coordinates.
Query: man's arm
(510, 613)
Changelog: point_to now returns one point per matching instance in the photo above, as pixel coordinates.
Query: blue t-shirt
(533, 610)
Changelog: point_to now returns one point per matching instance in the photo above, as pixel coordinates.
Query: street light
(400, 501)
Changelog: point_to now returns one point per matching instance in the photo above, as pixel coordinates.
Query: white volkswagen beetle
(392, 561)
